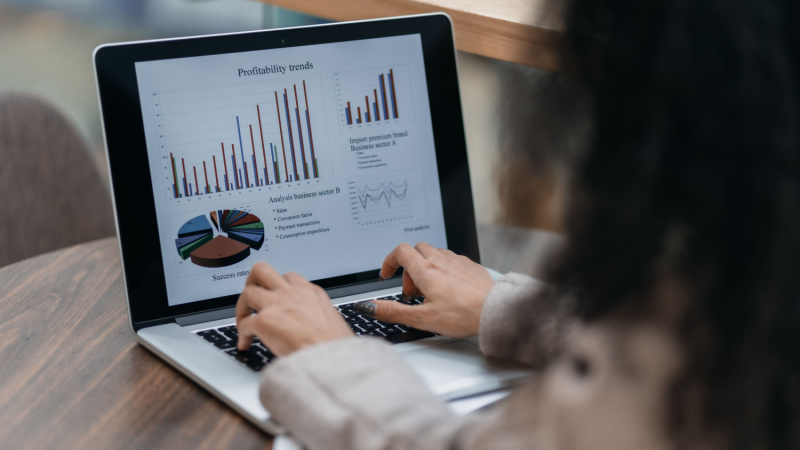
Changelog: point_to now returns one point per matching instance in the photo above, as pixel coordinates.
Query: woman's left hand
(290, 312)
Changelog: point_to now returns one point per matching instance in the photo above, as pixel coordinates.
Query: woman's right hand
(454, 288)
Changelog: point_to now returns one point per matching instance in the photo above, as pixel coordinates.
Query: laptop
(316, 149)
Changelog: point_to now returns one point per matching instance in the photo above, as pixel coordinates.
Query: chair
(53, 194)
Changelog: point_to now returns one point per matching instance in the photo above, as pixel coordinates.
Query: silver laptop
(315, 149)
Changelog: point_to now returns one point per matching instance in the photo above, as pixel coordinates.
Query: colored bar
(216, 177)
(375, 105)
(394, 98)
(300, 133)
(188, 192)
(225, 162)
(383, 94)
(174, 177)
(235, 178)
(280, 127)
(190, 187)
(263, 149)
(208, 186)
(241, 147)
(349, 114)
(196, 184)
(246, 176)
(274, 156)
(358, 120)
(240, 177)
(311, 140)
(255, 169)
(366, 105)
(291, 137)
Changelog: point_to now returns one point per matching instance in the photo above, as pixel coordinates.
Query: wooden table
(73, 376)
(528, 32)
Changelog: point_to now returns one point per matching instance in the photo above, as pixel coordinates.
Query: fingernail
(365, 308)
(407, 298)
(380, 278)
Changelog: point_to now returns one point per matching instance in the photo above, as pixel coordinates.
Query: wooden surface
(73, 376)
(525, 32)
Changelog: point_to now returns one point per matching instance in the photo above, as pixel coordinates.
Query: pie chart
(220, 238)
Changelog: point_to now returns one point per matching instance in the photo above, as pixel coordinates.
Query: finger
(403, 255)
(390, 311)
(447, 252)
(252, 298)
(409, 288)
(427, 250)
(246, 329)
(262, 274)
(294, 278)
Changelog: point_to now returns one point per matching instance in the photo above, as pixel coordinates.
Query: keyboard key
(355, 320)
(206, 332)
(390, 330)
(412, 335)
(375, 333)
(256, 366)
(244, 356)
(263, 351)
(231, 334)
(224, 345)
(228, 328)
(214, 337)
(367, 326)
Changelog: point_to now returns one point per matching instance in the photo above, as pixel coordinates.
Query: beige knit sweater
(603, 386)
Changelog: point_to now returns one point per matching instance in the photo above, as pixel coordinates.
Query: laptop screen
(317, 159)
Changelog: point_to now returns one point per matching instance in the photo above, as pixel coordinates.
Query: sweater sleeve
(356, 393)
(522, 322)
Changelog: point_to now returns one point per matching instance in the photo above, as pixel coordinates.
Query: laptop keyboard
(258, 355)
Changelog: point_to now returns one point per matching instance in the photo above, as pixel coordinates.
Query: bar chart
(240, 137)
(373, 96)
(387, 199)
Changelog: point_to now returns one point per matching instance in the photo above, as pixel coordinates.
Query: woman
(677, 321)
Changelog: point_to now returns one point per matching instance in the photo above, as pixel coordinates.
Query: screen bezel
(127, 156)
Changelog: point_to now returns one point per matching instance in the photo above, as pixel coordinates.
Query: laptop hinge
(206, 316)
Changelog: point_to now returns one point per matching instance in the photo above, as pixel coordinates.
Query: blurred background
(516, 167)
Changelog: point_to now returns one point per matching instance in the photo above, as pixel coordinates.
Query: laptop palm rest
(456, 368)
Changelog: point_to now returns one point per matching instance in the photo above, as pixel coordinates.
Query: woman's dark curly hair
(693, 174)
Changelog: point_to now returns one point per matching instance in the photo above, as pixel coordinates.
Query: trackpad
(458, 366)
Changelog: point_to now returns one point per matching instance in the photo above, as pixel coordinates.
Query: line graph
(368, 195)
(387, 199)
